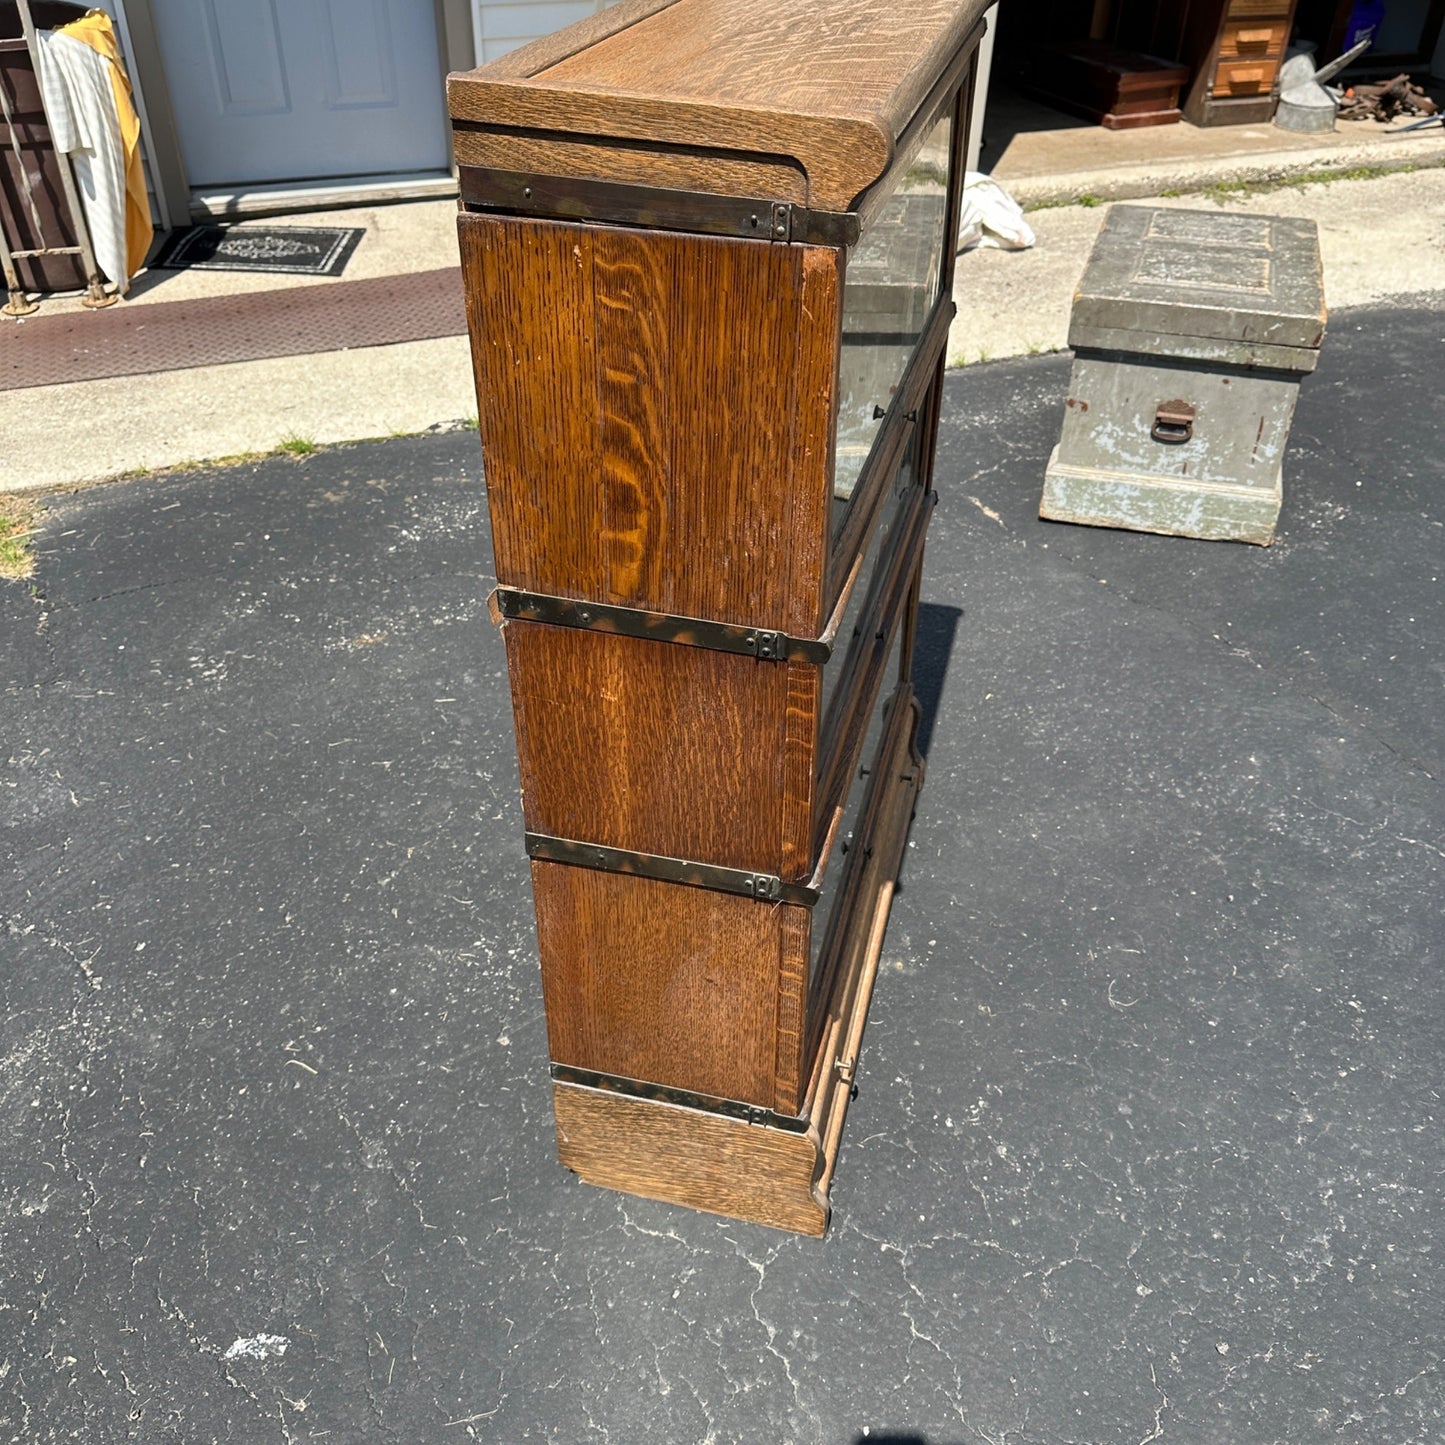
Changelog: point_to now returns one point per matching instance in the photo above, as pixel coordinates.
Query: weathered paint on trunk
(1167, 505)
(1193, 316)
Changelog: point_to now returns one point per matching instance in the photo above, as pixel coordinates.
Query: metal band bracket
(564, 198)
(756, 642)
(683, 1098)
(767, 887)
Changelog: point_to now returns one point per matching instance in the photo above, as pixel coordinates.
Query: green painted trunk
(1191, 332)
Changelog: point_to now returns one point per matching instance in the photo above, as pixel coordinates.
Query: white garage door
(297, 90)
(500, 27)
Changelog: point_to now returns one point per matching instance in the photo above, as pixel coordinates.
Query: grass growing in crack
(17, 528)
(1224, 191)
(194, 464)
(291, 445)
(1057, 203)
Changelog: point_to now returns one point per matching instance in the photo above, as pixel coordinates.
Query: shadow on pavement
(937, 626)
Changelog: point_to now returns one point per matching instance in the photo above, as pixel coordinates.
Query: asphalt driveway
(1149, 1139)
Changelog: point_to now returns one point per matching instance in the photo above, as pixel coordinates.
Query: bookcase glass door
(891, 283)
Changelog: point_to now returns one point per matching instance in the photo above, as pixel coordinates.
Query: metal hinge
(775, 223)
(767, 886)
(771, 646)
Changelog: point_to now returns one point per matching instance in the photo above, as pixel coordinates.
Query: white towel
(991, 217)
(80, 103)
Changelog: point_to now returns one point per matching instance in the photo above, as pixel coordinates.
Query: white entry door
(297, 90)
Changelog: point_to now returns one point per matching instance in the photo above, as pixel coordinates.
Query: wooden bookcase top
(828, 87)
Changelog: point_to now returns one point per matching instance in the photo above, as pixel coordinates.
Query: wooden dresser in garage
(1235, 49)
(708, 261)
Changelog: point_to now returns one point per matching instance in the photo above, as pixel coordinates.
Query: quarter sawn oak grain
(658, 367)
(640, 395)
(829, 86)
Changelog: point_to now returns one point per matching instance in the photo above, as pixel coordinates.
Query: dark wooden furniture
(1074, 55)
(1119, 89)
(1235, 49)
(708, 260)
(27, 149)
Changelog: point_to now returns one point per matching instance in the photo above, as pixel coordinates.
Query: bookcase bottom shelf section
(725, 1165)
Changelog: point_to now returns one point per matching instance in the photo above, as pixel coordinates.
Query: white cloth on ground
(991, 217)
(80, 103)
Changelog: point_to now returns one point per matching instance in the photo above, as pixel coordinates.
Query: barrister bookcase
(707, 247)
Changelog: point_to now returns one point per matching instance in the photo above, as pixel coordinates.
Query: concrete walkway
(1381, 237)
(1045, 158)
(73, 434)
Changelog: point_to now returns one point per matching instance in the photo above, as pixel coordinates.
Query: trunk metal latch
(1173, 422)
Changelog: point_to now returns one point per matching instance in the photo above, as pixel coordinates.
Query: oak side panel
(634, 348)
(659, 981)
(799, 768)
(656, 413)
(652, 746)
(790, 1076)
(813, 405)
(741, 555)
(530, 311)
(680, 1156)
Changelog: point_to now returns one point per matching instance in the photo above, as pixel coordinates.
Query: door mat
(137, 337)
(296, 250)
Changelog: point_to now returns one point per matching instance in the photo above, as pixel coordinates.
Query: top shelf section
(799, 101)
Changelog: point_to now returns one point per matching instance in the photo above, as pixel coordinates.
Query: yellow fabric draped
(94, 29)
